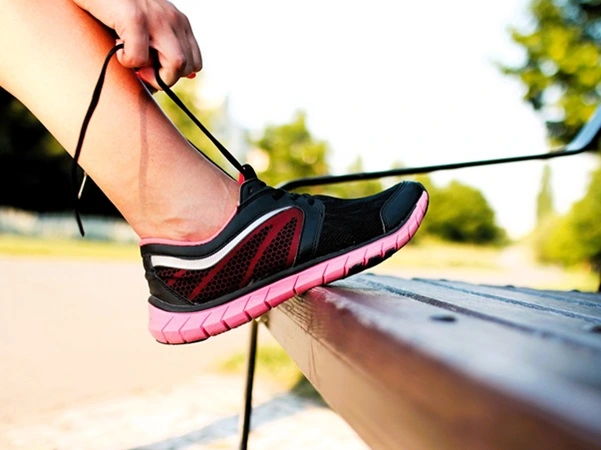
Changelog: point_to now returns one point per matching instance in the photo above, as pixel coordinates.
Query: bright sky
(405, 81)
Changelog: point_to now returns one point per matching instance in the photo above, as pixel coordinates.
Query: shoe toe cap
(401, 203)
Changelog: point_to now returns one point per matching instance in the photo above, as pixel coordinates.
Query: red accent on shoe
(268, 249)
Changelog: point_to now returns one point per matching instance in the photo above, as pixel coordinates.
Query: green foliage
(460, 213)
(585, 222)
(544, 200)
(290, 151)
(562, 70)
(71, 248)
(273, 362)
(562, 74)
(553, 239)
(575, 237)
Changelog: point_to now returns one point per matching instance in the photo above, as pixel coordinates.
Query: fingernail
(192, 75)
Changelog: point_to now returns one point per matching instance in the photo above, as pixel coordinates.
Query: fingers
(135, 37)
(178, 57)
(145, 24)
(177, 50)
(173, 63)
(196, 55)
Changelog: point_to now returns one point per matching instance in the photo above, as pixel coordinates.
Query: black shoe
(278, 244)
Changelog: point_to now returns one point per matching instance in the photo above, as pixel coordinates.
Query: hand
(142, 24)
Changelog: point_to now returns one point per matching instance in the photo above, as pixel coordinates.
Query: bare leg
(50, 56)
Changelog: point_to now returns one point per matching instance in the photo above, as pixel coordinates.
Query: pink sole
(180, 328)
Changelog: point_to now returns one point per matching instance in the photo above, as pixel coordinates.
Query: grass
(434, 254)
(12, 245)
(516, 265)
(274, 364)
(572, 279)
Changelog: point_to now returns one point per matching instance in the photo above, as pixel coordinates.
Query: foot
(277, 245)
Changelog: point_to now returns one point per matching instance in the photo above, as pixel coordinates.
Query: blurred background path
(80, 371)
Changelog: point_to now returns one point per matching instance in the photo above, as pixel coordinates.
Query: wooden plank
(566, 304)
(390, 360)
(573, 295)
(548, 322)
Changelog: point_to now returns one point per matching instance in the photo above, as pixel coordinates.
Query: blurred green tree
(562, 74)
(460, 213)
(584, 221)
(562, 68)
(544, 200)
(290, 151)
(576, 237)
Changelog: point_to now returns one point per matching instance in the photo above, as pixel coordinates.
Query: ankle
(187, 229)
(198, 218)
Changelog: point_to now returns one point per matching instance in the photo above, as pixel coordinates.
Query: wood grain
(414, 364)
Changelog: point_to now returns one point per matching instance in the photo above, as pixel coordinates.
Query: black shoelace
(586, 140)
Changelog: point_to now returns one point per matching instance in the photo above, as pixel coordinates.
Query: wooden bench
(435, 364)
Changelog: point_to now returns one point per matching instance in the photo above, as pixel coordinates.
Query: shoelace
(278, 193)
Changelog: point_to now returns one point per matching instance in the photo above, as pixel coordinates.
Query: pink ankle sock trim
(145, 241)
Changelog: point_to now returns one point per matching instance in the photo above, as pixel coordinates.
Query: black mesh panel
(350, 222)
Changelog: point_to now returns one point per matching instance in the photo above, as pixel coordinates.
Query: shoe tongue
(247, 173)
(250, 187)
(249, 183)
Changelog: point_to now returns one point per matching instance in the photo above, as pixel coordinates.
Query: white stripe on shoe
(211, 260)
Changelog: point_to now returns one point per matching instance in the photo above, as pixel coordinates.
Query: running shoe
(277, 244)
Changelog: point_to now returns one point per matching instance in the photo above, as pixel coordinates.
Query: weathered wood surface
(436, 364)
